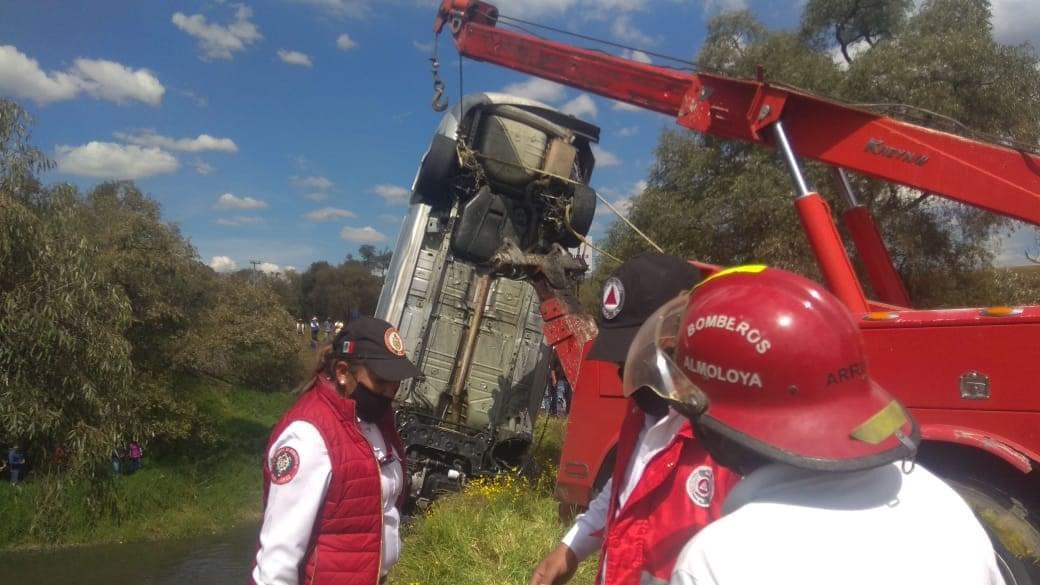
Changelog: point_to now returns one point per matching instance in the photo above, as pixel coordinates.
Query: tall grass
(494, 532)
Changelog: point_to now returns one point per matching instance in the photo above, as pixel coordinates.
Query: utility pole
(255, 263)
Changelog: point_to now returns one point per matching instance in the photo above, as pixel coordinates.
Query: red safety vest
(346, 545)
(681, 491)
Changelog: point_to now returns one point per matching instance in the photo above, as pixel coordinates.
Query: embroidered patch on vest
(393, 342)
(284, 465)
(700, 486)
(613, 298)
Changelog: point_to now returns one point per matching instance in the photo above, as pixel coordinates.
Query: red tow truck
(971, 376)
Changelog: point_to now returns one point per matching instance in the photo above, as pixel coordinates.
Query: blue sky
(289, 130)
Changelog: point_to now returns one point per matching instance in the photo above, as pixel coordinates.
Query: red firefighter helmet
(772, 361)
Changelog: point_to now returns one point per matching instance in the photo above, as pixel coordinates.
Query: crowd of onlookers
(127, 460)
(329, 328)
(15, 465)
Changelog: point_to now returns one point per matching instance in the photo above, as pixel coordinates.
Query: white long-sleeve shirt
(787, 526)
(293, 506)
(656, 434)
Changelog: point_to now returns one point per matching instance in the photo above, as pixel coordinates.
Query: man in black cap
(334, 478)
(658, 460)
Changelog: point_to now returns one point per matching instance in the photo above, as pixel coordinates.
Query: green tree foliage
(153, 264)
(843, 23)
(338, 291)
(246, 338)
(376, 261)
(103, 308)
(20, 161)
(728, 203)
(65, 368)
(287, 287)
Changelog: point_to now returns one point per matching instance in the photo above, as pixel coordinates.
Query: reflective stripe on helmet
(745, 269)
(882, 425)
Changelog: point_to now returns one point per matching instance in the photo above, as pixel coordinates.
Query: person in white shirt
(334, 478)
(772, 371)
(657, 454)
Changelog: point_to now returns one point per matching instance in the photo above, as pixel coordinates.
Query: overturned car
(503, 189)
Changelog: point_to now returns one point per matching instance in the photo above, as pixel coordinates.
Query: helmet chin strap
(910, 461)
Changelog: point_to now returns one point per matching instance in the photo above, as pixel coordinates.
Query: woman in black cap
(334, 478)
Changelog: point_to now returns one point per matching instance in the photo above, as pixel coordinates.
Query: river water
(206, 560)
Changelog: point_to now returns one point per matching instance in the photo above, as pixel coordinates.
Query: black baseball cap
(637, 288)
(380, 346)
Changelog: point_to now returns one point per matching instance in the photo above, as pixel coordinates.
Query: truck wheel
(1014, 530)
(583, 208)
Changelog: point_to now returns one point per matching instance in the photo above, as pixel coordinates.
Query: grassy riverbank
(210, 486)
(495, 532)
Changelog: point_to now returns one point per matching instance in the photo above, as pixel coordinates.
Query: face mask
(370, 407)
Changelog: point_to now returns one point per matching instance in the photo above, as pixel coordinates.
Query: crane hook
(440, 101)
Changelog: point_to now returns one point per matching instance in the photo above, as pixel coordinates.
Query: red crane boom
(993, 177)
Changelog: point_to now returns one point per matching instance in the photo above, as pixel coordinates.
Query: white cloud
(580, 107)
(267, 247)
(117, 83)
(345, 43)
(295, 58)
(113, 161)
(536, 89)
(423, 47)
(202, 167)
(639, 56)
(605, 158)
(222, 264)
(717, 6)
(220, 41)
(268, 267)
(625, 107)
(240, 220)
(591, 8)
(232, 201)
(329, 213)
(622, 28)
(1016, 21)
(201, 143)
(22, 77)
(340, 8)
(197, 99)
(532, 8)
(393, 194)
(290, 269)
(320, 183)
(628, 131)
(364, 235)
(317, 196)
(391, 218)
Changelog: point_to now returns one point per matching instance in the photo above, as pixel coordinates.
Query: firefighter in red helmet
(772, 372)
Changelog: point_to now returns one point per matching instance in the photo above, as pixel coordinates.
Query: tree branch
(844, 47)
